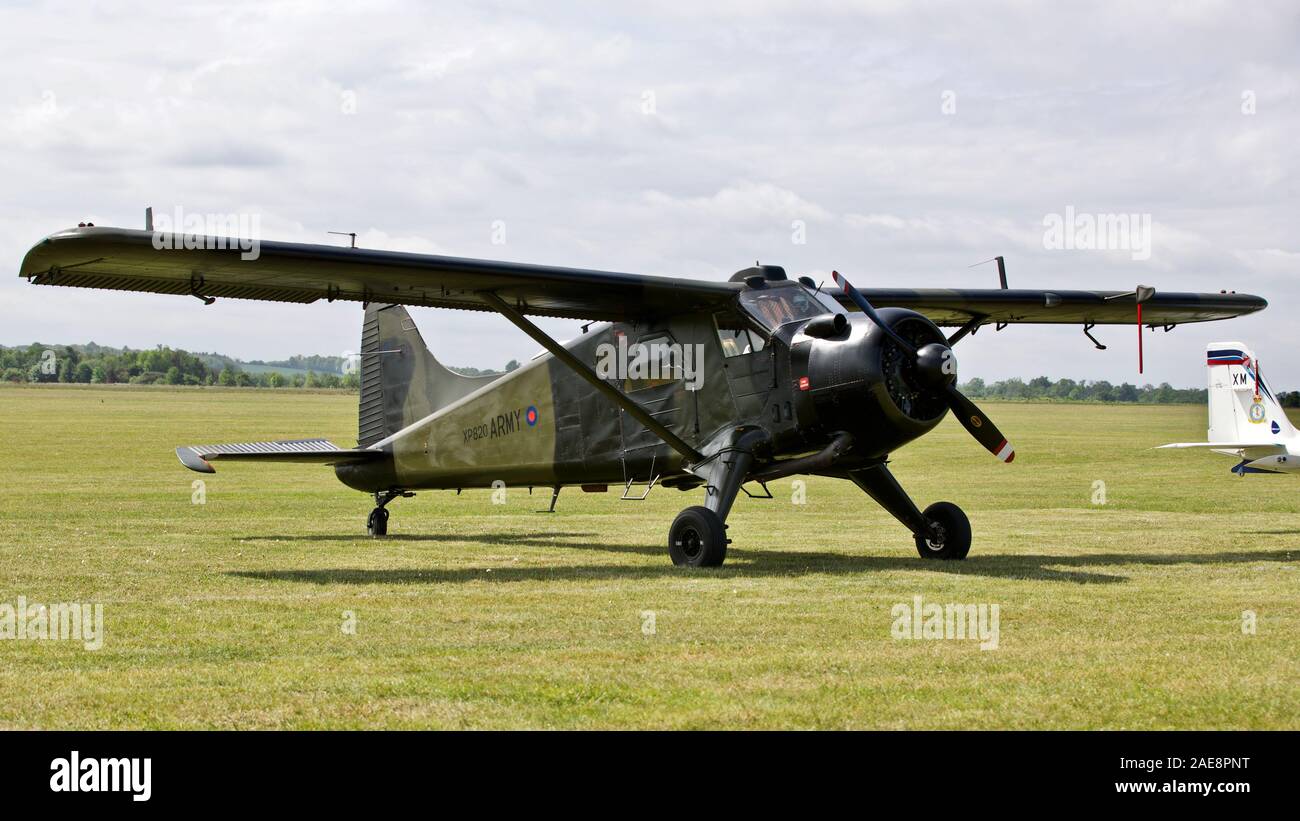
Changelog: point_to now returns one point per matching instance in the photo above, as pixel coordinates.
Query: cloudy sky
(896, 142)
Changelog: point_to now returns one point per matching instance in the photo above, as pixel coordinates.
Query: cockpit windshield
(774, 307)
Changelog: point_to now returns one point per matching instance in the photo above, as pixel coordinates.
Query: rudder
(1242, 408)
(401, 381)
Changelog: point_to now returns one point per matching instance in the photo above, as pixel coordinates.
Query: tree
(1102, 391)
(1012, 389)
(1063, 388)
(226, 378)
(512, 365)
(173, 375)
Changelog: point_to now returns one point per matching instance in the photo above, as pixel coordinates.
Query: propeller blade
(979, 425)
(861, 302)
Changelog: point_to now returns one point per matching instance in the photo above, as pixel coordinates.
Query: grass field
(230, 614)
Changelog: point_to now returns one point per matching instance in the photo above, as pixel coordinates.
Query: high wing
(128, 260)
(1019, 305)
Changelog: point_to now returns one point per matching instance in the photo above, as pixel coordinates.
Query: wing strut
(581, 368)
(972, 325)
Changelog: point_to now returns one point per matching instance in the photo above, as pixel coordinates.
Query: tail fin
(1242, 407)
(401, 382)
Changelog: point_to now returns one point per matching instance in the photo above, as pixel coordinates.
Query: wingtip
(193, 461)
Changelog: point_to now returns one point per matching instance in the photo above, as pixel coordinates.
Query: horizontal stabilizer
(300, 451)
(1245, 450)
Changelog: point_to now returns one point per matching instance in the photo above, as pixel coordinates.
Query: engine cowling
(863, 382)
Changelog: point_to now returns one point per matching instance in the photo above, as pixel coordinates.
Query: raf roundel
(531, 415)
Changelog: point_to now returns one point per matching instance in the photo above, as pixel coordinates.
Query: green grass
(229, 614)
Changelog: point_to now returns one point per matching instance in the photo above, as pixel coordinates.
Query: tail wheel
(377, 524)
(698, 538)
(953, 533)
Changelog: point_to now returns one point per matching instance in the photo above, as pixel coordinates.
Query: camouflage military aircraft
(716, 384)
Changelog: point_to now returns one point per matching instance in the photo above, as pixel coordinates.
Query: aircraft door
(654, 379)
(748, 364)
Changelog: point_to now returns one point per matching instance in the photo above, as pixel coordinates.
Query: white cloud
(763, 113)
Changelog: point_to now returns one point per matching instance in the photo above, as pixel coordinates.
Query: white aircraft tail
(1243, 409)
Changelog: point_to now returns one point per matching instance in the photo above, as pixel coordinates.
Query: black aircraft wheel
(377, 524)
(698, 538)
(954, 533)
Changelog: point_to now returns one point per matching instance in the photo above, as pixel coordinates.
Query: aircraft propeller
(935, 370)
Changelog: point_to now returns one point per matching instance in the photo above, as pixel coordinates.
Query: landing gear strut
(941, 532)
(377, 522)
(698, 537)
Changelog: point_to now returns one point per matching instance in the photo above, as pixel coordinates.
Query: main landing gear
(941, 532)
(377, 522)
(698, 537)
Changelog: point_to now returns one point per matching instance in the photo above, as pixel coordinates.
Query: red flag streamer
(1140, 338)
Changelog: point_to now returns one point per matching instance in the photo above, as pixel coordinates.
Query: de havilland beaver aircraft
(785, 379)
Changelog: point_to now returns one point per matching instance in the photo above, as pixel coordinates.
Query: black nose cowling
(933, 371)
(936, 367)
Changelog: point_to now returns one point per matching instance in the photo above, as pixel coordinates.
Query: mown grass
(229, 614)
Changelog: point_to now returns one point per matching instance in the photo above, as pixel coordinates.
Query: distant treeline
(1069, 390)
(97, 364)
(318, 364)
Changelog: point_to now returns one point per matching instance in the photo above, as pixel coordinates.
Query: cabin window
(654, 361)
(736, 337)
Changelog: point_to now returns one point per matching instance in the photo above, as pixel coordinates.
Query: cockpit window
(774, 307)
(736, 337)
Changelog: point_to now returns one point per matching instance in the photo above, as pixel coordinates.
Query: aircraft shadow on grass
(744, 564)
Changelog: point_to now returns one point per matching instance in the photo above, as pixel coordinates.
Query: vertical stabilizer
(1242, 406)
(401, 381)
